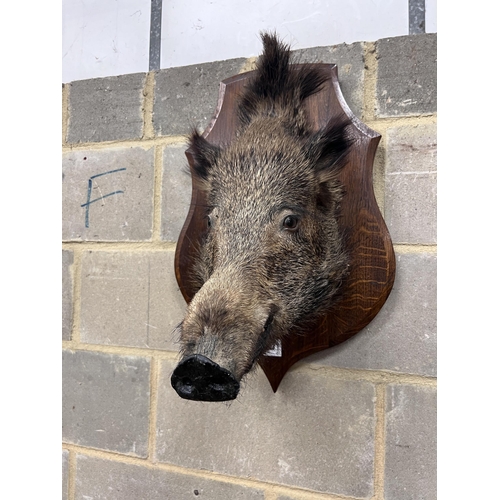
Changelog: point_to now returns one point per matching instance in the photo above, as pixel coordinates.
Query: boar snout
(200, 379)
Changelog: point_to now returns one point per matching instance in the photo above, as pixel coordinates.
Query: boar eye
(209, 221)
(290, 222)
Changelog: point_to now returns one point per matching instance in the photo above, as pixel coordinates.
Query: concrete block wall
(356, 421)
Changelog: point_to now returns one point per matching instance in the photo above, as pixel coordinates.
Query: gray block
(106, 109)
(186, 97)
(410, 462)
(349, 59)
(67, 294)
(107, 480)
(402, 337)
(107, 195)
(407, 75)
(176, 192)
(130, 299)
(65, 473)
(106, 401)
(315, 432)
(411, 184)
(416, 16)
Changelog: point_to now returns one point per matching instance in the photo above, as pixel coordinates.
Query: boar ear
(327, 149)
(204, 154)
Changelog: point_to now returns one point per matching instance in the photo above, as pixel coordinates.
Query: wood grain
(372, 261)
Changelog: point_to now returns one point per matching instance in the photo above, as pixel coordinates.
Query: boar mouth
(198, 378)
(262, 343)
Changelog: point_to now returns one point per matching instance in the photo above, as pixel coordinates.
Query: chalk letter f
(89, 193)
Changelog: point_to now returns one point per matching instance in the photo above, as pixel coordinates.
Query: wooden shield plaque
(372, 261)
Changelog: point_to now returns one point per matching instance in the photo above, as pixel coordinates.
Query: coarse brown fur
(273, 257)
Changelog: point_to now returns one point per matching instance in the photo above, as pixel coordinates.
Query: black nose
(200, 379)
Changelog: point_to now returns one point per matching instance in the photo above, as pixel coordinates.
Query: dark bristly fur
(277, 88)
(273, 258)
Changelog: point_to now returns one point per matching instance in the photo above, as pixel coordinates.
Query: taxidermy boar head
(273, 257)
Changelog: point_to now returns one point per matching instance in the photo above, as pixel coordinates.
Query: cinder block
(67, 294)
(130, 299)
(186, 97)
(410, 462)
(350, 62)
(65, 473)
(106, 109)
(105, 479)
(106, 401)
(407, 76)
(402, 337)
(64, 112)
(176, 192)
(411, 185)
(108, 194)
(316, 432)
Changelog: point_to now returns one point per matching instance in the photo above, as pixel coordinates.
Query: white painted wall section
(111, 37)
(431, 16)
(104, 38)
(201, 31)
